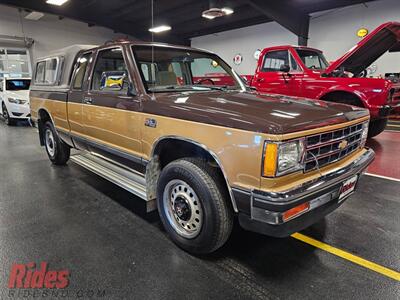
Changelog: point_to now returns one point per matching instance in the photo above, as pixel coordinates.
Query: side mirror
(284, 68)
(131, 90)
(112, 81)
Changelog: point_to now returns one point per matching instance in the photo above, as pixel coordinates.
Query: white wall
(50, 33)
(333, 31)
(245, 41)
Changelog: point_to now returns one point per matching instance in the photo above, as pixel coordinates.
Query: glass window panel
(15, 66)
(51, 71)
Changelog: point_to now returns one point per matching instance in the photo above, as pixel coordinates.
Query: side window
(51, 71)
(46, 71)
(40, 70)
(274, 60)
(81, 71)
(110, 73)
(1, 85)
(293, 64)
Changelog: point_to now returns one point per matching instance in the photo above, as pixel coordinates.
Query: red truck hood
(368, 50)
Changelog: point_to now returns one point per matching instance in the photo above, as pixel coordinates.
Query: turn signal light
(270, 156)
(295, 211)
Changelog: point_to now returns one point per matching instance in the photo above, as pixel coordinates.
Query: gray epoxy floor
(75, 220)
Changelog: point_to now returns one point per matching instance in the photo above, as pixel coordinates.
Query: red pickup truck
(304, 72)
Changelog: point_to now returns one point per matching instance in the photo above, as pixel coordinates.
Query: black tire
(7, 119)
(216, 213)
(376, 127)
(56, 149)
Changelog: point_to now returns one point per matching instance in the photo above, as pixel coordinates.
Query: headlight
(364, 134)
(282, 158)
(16, 101)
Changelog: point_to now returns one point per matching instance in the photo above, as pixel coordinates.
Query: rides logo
(28, 276)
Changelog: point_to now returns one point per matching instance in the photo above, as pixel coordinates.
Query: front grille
(325, 148)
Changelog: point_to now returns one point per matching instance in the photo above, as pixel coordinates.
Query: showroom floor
(74, 220)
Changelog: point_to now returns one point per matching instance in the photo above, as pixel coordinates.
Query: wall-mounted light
(213, 13)
(160, 28)
(56, 2)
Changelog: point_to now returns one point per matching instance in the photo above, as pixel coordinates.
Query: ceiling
(133, 17)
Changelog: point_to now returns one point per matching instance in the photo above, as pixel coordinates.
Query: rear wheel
(376, 127)
(7, 119)
(193, 206)
(56, 149)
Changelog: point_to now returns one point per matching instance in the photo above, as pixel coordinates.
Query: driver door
(270, 78)
(110, 110)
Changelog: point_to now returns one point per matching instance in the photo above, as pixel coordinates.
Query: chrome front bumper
(266, 209)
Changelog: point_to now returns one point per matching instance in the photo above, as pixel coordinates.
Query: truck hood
(23, 94)
(369, 49)
(252, 111)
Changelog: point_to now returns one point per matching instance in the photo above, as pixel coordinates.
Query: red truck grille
(329, 147)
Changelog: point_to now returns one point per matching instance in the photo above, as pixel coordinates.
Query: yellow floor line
(348, 256)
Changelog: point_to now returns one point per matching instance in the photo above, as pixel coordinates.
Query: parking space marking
(381, 176)
(348, 256)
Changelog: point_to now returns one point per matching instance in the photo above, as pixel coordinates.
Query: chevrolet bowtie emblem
(343, 144)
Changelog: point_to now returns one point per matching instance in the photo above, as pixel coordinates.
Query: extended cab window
(81, 71)
(110, 73)
(274, 60)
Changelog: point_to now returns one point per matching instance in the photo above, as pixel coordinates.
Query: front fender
(345, 89)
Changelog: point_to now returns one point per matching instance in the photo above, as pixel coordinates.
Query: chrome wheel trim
(182, 208)
(50, 143)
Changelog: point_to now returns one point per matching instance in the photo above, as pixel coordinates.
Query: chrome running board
(128, 180)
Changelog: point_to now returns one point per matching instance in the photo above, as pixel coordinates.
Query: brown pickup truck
(178, 128)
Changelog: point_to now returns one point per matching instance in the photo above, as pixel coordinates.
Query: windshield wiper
(212, 87)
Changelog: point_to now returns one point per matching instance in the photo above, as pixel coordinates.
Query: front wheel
(57, 151)
(376, 127)
(7, 119)
(193, 206)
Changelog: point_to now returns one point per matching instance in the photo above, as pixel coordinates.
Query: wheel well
(171, 149)
(43, 118)
(343, 97)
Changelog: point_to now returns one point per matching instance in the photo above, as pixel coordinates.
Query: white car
(14, 99)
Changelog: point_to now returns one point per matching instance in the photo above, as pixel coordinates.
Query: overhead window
(14, 63)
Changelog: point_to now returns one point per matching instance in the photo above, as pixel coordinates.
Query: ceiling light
(34, 16)
(161, 28)
(56, 2)
(213, 13)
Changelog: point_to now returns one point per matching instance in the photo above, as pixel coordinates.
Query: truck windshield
(163, 69)
(17, 84)
(312, 59)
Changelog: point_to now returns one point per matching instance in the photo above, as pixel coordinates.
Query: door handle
(260, 79)
(87, 100)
